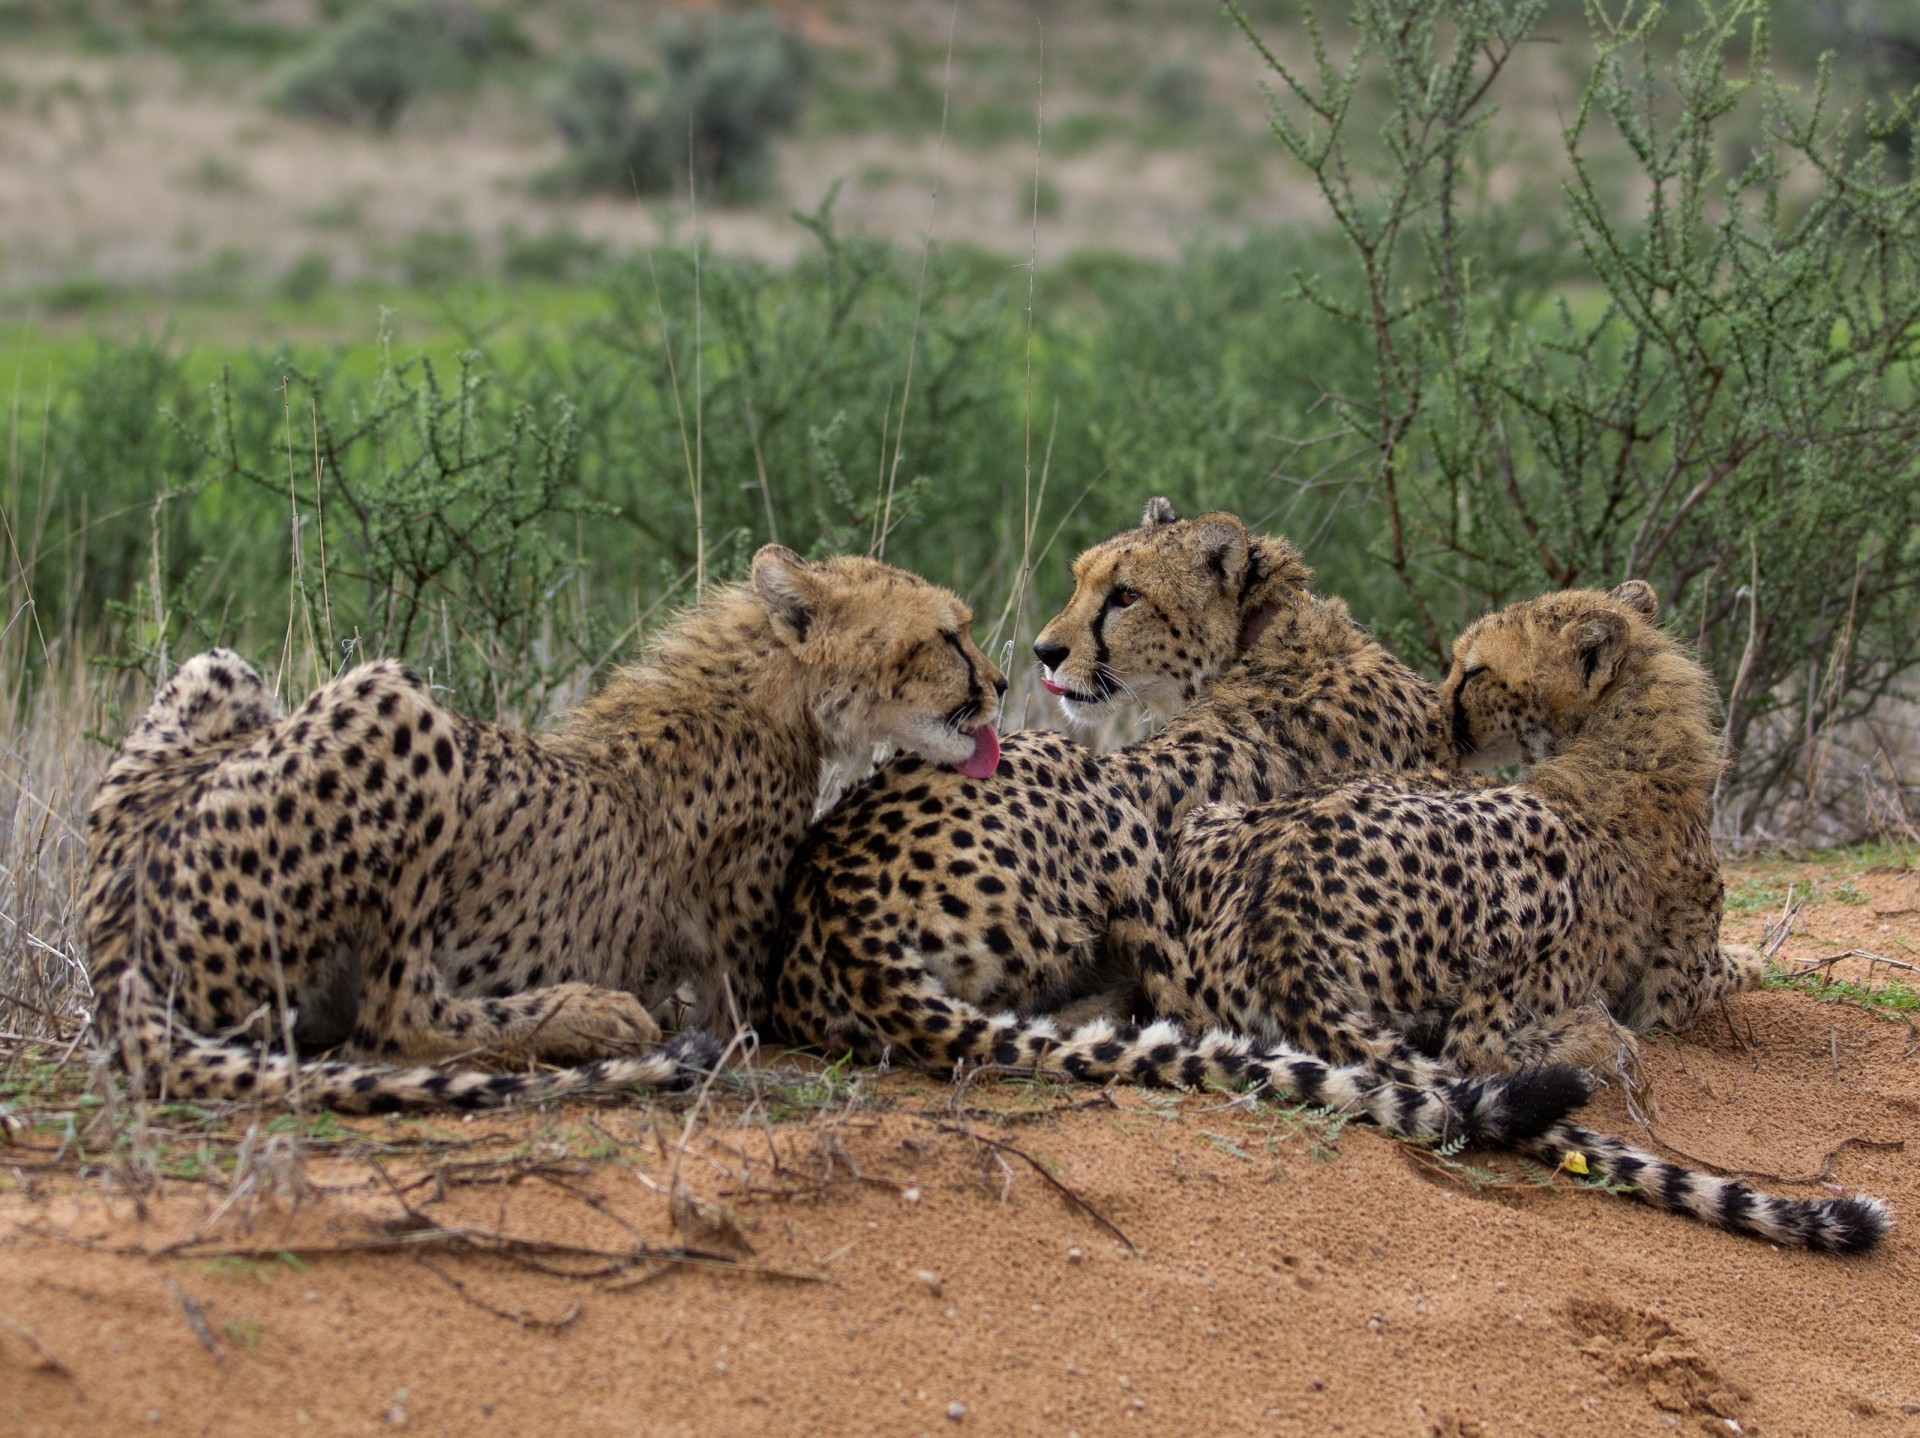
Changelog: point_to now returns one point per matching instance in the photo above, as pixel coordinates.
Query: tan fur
(929, 910)
(1159, 611)
(415, 886)
(1515, 917)
(1501, 924)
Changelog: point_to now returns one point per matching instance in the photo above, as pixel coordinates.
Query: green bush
(728, 84)
(379, 59)
(1449, 400)
(1704, 377)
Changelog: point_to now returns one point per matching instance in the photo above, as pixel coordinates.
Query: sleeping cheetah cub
(375, 872)
(1510, 919)
(930, 905)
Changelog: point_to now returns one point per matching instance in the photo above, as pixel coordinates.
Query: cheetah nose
(1051, 655)
(1000, 685)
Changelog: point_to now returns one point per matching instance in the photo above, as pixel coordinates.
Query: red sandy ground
(940, 1285)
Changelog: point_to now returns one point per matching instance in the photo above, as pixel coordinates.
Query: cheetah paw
(1746, 966)
(583, 1022)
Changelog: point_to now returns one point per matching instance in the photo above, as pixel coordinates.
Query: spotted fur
(1505, 926)
(378, 874)
(929, 906)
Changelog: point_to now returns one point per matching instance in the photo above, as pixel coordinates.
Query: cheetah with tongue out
(930, 910)
(384, 876)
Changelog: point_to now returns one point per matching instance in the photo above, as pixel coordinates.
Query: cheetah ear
(1222, 544)
(1159, 512)
(1638, 596)
(786, 585)
(1599, 639)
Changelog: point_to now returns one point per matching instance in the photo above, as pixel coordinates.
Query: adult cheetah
(375, 872)
(930, 905)
(1507, 921)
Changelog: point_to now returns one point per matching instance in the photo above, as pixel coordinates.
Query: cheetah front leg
(1143, 936)
(1686, 967)
(1518, 1010)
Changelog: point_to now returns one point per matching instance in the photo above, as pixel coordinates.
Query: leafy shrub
(1176, 91)
(307, 278)
(437, 256)
(426, 519)
(728, 84)
(556, 254)
(383, 56)
(1701, 377)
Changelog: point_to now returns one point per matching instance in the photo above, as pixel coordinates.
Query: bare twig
(524, 1320)
(197, 1321)
(1073, 1198)
(46, 1355)
(1824, 1174)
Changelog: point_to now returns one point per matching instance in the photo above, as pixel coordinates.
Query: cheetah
(375, 873)
(1510, 921)
(931, 908)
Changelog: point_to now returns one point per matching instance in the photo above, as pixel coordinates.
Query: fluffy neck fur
(718, 679)
(1644, 763)
(1275, 581)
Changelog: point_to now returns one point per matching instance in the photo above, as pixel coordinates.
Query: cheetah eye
(1472, 674)
(1125, 597)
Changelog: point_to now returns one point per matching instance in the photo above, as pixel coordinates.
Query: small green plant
(1176, 91)
(212, 175)
(1226, 1145)
(1040, 198)
(791, 1092)
(1847, 892)
(1754, 895)
(307, 278)
(554, 255)
(438, 256)
(1892, 1000)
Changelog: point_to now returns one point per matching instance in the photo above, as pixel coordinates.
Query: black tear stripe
(975, 693)
(1462, 731)
(1100, 651)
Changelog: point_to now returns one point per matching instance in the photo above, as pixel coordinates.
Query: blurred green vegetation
(1687, 353)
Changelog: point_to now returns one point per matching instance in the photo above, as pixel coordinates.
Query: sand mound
(1008, 1259)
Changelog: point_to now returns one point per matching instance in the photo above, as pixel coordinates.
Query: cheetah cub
(931, 909)
(376, 873)
(1507, 916)
(1509, 920)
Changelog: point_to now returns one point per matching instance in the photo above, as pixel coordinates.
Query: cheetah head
(1526, 678)
(1161, 610)
(891, 657)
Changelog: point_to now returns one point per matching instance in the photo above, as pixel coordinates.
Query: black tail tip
(1852, 1224)
(694, 1053)
(1533, 1100)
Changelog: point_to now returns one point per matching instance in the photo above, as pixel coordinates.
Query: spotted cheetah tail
(1499, 1111)
(1835, 1225)
(196, 1067)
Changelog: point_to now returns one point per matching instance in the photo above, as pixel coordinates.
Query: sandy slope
(945, 1285)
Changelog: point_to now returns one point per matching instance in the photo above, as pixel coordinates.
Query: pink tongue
(986, 754)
